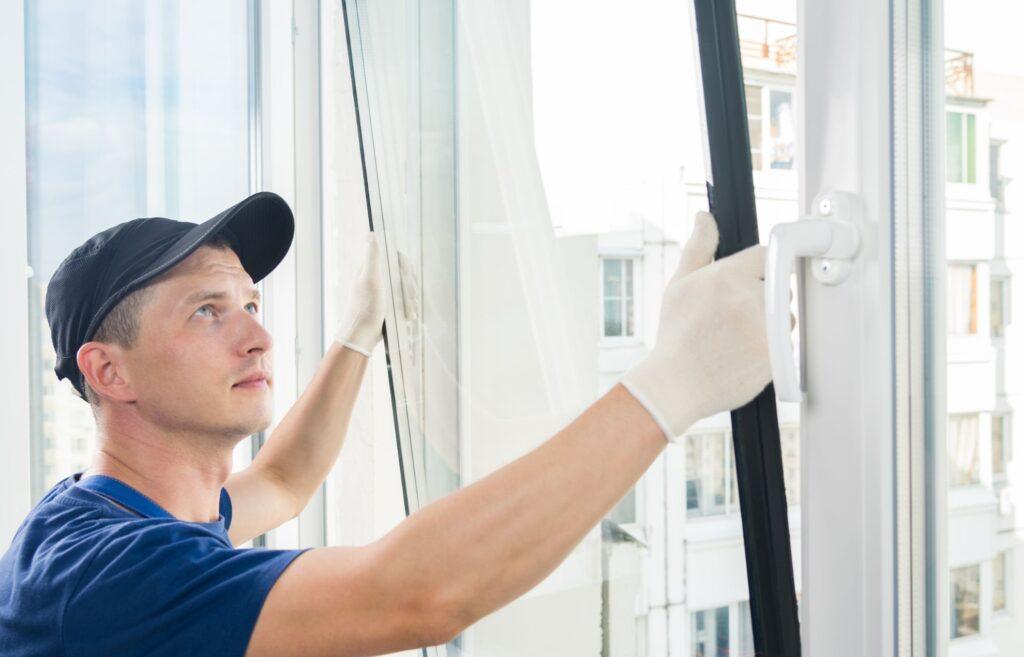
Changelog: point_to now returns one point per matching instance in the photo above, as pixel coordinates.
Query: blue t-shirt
(85, 578)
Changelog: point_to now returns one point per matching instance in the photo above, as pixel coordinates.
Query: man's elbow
(444, 618)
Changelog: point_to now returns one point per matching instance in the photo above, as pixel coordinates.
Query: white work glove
(361, 326)
(711, 353)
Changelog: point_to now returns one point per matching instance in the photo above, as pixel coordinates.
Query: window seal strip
(755, 427)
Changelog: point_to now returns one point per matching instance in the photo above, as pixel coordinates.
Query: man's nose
(255, 335)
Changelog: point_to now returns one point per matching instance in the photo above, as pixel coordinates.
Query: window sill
(971, 498)
(972, 646)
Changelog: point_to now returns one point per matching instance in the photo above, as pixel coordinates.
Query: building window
(709, 632)
(965, 601)
(774, 147)
(999, 298)
(964, 461)
(960, 148)
(962, 300)
(710, 484)
(618, 289)
(1000, 445)
(1000, 572)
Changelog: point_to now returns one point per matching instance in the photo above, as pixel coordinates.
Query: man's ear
(102, 366)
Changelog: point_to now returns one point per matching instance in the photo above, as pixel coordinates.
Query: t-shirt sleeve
(170, 589)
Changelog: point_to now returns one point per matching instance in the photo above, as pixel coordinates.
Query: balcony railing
(770, 43)
(959, 73)
(767, 42)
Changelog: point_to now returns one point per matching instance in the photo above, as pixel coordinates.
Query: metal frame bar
(755, 427)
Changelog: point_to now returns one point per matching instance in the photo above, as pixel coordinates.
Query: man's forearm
(304, 446)
(483, 546)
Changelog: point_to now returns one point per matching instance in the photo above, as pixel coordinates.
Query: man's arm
(301, 451)
(466, 554)
(304, 446)
(470, 553)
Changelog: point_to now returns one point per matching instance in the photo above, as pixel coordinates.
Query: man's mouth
(255, 381)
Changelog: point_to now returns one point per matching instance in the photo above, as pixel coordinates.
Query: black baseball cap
(115, 262)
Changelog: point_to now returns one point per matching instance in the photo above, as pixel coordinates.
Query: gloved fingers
(700, 248)
(371, 256)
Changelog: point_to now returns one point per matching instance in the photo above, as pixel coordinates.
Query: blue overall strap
(124, 495)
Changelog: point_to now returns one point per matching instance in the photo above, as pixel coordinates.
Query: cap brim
(259, 227)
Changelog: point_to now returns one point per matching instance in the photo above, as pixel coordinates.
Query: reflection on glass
(962, 299)
(531, 220)
(965, 594)
(964, 450)
(710, 633)
(783, 130)
(1000, 453)
(754, 124)
(998, 303)
(984, 133)
(618, 286)
(961, 149)
(999, 582)
(133, 109)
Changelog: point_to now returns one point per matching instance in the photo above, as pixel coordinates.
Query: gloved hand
(711, 352)
(361, 326)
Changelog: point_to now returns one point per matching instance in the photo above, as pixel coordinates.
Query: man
(154, 321)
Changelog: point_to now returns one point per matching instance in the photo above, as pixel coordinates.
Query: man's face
(199, 336)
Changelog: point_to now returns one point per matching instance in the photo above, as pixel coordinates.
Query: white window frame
(16, 465)
(638, 330)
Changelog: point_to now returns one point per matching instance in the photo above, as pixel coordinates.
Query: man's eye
(206, 307)
(255, 306)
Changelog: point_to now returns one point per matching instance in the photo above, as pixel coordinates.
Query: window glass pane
(984, 249)
(754, 121)
(999, 582)
(710, 633)
(962, 300)
(714, 472)
(746, 632)
(954, 147)
(964, 450)
(133, 109)
(997, 300)
(965, 596)
(540, 203)
(734, 493)
(694, 490)
(612, 277)
(970, 147)
(613, 317)
(625, 511)
(783, 133)
(998, 447)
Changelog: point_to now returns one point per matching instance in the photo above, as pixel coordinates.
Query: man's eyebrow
(216, 295)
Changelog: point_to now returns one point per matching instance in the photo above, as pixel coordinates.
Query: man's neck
(186, 483)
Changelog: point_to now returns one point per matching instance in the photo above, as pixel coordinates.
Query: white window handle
(832, 240)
